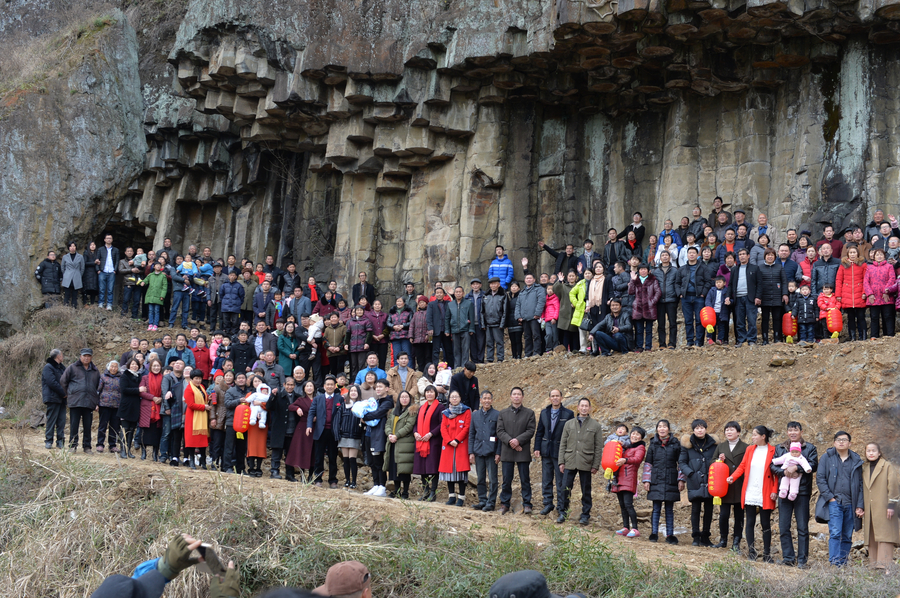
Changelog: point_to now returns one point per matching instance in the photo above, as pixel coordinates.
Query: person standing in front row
(550, 426)
(731, 453)
(759, 490)
(799, 507)
(515, 429)
(484, 451)
(881, 491)
(841, 502)
(580, 451)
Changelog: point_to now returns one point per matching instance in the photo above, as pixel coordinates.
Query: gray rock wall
(68, 151)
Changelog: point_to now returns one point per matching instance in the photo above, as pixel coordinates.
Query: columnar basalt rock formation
(409, 139)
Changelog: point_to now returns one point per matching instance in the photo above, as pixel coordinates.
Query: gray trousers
(486, 467)
(56, 423)
(549, 474)
(460, 348)
(494, 338)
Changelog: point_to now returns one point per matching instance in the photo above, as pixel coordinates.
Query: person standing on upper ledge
(717, 208)
(501, 267)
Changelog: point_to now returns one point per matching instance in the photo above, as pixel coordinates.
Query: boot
(452, 499)
(275, 475)
(129, 453)
(723, 542)
(736, 546)
(143, 453)
(155, 454)
(122, 453)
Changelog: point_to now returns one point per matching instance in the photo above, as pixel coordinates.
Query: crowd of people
(325, 379)
(599, 301)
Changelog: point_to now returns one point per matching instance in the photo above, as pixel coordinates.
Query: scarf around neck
(199, 424)
(423, 447)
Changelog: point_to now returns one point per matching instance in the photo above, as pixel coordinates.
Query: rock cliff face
(69, 147)
(409, 139)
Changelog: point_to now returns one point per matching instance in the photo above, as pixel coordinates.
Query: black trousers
(127, 434)
(326, 445)
(706, 505)
(584, 479)
(235, 451)
(550, 477)
(80, 417)
(216, 446)
(421, 355)
(724, 515)
(70, 296)
(626, 505)
(765, 521)
(278, 452)
(476, 345)
(667, 311)
(382, 350)
(515, 343)
(882, 319)
(109, 424)
(357, 363)
(212, 315)
(788, 510)
(56, 423)
(176, 439)
(531, 330)
(379, 477)
(570, 339)
(775, 313)
(509, 468)
(230, 323)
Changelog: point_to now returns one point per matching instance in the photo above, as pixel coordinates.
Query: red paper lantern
(708, 319)
(612, 452)
(718, 481)
(789, 327)
(241, 419)
(835, 322)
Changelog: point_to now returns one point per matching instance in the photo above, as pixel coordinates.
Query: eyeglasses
(842, 440)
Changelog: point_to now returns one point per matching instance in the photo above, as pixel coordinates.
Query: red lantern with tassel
(612, 452)
(834, 319)
(718, 481)
(789, 327)
(708, 319)
(241, 419)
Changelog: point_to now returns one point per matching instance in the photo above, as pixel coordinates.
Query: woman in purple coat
(300, 454)
(427, 433)
(379, 333)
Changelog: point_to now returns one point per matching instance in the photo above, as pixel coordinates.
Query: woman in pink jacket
(879, 276)
(551, 317)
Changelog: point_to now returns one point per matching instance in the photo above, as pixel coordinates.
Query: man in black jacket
(743, 293)
(466, 384)
(612, 251)
(799, 507)
(434, 323)
(550, 426)
(49, 274)
(54, 396)
(692, 287)
(81, 381)
(636, 226)
(363, 289)
(484, 451)
(565, 261)
(243, 354)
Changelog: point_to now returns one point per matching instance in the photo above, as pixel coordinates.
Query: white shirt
(755, 477)
(108, 266)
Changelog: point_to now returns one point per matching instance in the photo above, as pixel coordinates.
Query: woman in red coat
(150, 421)
(196, 419)
(202, 360)
(759, 490)
(626, 483)
(848, 287)
(454, 466)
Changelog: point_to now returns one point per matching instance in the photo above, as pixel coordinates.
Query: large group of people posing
(268, 365)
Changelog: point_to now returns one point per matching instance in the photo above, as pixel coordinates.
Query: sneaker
(149, 327)
(379, 491)
(671, 540)
(108, 307)
(370, 491)
(100, 449)
(633, 534)
(622, 532)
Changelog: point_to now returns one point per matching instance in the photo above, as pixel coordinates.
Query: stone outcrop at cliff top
(68, 150)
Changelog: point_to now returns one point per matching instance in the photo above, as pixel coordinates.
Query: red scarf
(313, 295)
(423, 447)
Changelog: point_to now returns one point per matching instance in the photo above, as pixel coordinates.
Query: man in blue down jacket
(231, 295)
(54, 396)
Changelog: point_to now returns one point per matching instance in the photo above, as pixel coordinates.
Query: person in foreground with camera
(150, 577)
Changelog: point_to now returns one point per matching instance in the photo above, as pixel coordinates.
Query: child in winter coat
(716, 300)
(790, 487)
(625, 484)
(550, 318)
(827, 302)
(621, 436)
(257, 400)
(805, 311)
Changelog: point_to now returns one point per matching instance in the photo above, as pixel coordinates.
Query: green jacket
(581, 447)
(578, 298)
(459, 317)
(157, 285)
(249, 289)
(405, 447)
(286, 346)
(563, 290)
